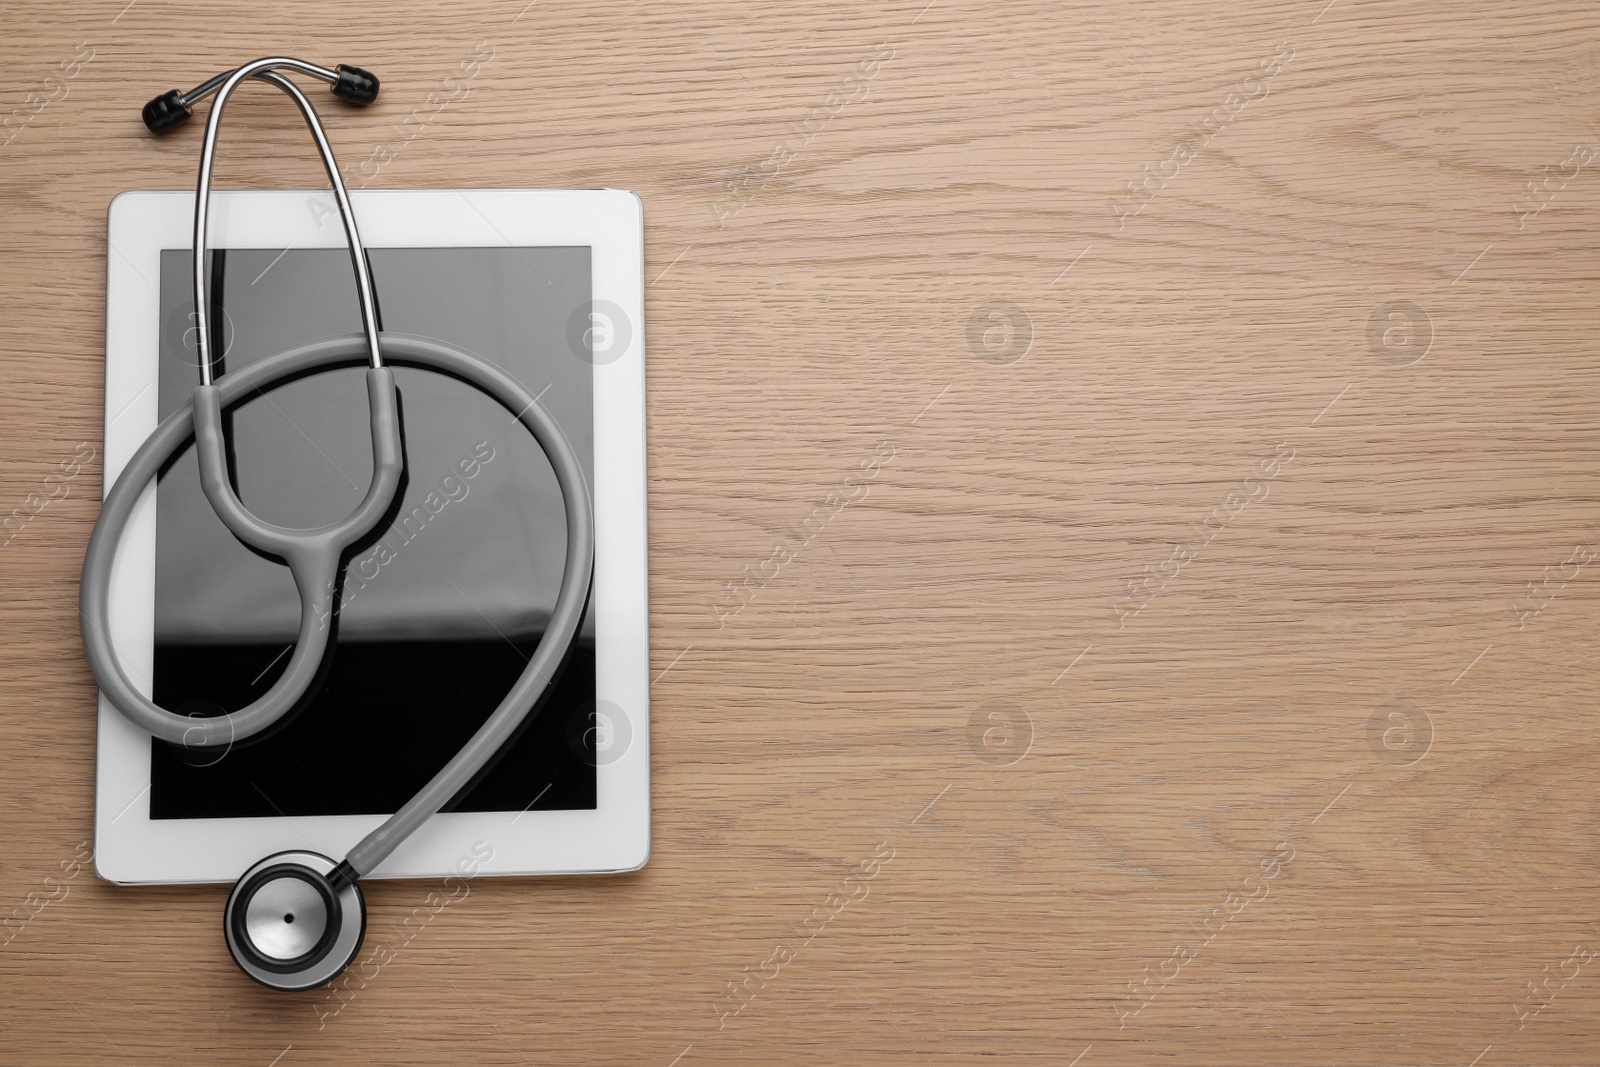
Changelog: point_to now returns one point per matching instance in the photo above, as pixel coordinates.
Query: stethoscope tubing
(179, 427)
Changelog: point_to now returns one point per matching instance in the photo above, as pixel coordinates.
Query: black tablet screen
(440, 613)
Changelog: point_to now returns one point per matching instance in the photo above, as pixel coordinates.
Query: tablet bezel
(130, 847)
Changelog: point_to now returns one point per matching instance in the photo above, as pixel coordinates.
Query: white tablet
(437, 614)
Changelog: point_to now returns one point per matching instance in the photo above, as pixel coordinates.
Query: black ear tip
(356, 85)
(166, 111)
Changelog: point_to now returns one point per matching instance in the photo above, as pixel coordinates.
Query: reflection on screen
(439, 610)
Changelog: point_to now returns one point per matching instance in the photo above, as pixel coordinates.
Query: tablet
(439, 612)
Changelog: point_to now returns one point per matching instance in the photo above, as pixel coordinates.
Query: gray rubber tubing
(174, 432)
(312, 555)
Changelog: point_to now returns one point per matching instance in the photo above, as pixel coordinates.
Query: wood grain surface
(1123, 485)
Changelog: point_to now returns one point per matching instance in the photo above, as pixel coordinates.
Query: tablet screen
(439, 610)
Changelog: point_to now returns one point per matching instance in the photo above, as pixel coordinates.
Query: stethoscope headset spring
(296, 919)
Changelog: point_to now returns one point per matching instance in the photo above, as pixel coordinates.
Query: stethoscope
(296, 919)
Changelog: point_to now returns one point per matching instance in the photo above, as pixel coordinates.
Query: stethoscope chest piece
(292, 923)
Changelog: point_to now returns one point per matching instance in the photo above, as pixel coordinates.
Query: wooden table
(1123, 497)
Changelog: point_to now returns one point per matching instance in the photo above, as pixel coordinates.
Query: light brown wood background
(1443, 868)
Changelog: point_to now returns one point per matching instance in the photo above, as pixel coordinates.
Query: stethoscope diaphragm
(292, 923)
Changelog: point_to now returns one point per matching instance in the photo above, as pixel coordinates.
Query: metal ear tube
(174, 108)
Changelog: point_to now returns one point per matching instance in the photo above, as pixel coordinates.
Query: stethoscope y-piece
(295, 920)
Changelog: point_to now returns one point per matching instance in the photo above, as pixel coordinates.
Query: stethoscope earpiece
(355, 85)
(173, 108)
(166, 111)
(294, 921)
